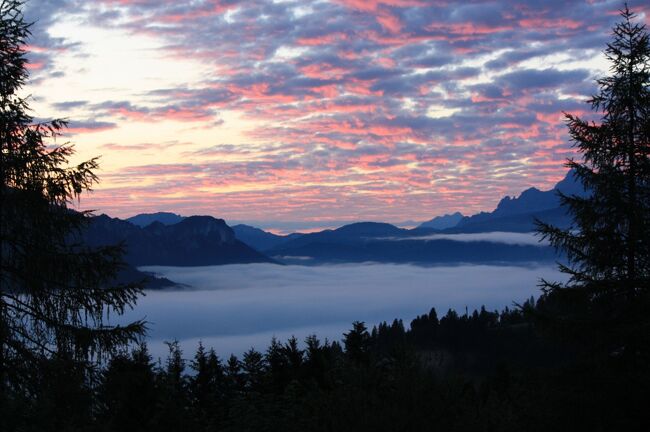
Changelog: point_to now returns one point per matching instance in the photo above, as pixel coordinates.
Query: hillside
(195, 241)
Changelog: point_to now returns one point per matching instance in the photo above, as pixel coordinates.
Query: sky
(317, 112)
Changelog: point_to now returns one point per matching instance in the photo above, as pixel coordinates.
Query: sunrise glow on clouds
(317, 110)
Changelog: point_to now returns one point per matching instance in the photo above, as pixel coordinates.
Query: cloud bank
(234, 307)
(513, 238)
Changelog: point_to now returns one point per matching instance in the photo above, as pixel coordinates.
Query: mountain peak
(144, 219)
(368, 229)
(519, 213)
(530, 200)
(196, 240)
(260, 239)
(570, 185)
(204, 226)
(443, 222)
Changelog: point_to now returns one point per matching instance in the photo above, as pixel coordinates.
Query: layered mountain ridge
(170, 239)
(194, 241)
(518, 214)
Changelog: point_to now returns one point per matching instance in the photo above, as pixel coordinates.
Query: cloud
(524, 239)
(185, 112)
(43, 48)
(233, 307)
(353, 109)
(529, 79)
(88, 126)
(69, 105)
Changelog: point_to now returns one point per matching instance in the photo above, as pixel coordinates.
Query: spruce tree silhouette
(606, 299)
(357, 343)
(55, 293)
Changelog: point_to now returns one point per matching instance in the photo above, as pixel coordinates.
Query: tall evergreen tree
(608, 246)
(357, 343)
(253, 365)
(207, 378)
(128, 392)
(55, 293)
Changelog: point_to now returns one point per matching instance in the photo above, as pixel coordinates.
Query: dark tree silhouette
(206, 385)
(128, 392)
(55, 293)
(608, 246)
(357, 343)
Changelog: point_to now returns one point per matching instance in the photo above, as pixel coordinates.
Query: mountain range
(168, 239)
(194, 241)
(380, 242)
(387, 243)
(518, 214)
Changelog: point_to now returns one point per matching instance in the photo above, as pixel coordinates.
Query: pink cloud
(344, 124)
(373, 5)
(389, 22)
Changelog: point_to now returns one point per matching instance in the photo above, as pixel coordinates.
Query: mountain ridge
(518, 214)
(144, 219)
(259, 239)
(362, 241)
(443, 222)
(194, 241)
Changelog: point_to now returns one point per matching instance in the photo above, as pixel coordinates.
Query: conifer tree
(608, 246)
(208, 376)
(128, 393)
(234, 377)
(357, 343)
(294, 355)
(55, 292)
(253, 366)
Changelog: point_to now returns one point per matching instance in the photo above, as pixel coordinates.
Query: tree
(608, 246)
(56, 294)
(128, 394)
(253, 366)
(206, 386)
(357, 343)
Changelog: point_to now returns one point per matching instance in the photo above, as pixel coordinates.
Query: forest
(481, 371)
(576, 358)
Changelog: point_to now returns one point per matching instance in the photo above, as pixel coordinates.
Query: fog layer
(234, 307)
(513, 238)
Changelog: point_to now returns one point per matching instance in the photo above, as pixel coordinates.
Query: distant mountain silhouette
(518, 214)
(521, 222)
(259, 239)
(346, 234)
(367, 229)
(443, 222)
(379, 242)
(194, 241)
(406, 224)
(170, 239)
(165, 218)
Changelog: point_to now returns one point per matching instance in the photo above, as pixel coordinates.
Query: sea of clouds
(235, 307)
(512, 238)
